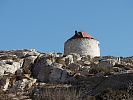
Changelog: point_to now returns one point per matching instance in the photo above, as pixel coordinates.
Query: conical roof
(81, 35)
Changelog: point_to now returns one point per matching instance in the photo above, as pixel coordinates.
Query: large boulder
(58, 74)
(106, 63)
(68, 59)
(42, 61)
(65, 60)
(27, 64)
(9, 66)
(76, 57)
(47, 71)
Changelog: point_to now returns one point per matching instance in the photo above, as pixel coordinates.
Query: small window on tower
(99, 45)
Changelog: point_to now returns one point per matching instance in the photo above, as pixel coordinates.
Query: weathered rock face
(20, 85)
(28, 63)
(4, 82)
(20, 70)
(47, 70)
(12, 60)
(14, 64)
(65, 60)
(9, 64)
(61, 68)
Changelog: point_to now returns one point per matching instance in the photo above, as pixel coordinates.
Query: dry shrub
(60, 94)
(110, 94)
(4, 96)
(95, 70)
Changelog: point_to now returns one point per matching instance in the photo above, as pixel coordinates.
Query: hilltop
(29, 74)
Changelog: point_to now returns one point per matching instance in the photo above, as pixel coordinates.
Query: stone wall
(82, 46)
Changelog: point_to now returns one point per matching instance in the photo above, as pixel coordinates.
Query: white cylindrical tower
(83, 44)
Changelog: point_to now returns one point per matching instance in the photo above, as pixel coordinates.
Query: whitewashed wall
(82, 46)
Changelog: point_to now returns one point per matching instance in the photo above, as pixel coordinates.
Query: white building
(83, 44)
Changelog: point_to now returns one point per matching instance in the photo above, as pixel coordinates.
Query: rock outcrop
(24, 70)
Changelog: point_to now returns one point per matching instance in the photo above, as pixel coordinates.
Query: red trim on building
(86, 35)
(81, 35)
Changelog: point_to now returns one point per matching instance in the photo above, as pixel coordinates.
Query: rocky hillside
(25, 73)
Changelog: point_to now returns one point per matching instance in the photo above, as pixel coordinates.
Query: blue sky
(46, 24)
